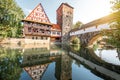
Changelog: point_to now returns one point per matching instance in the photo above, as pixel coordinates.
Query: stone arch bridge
(90, 32)
(87, 38)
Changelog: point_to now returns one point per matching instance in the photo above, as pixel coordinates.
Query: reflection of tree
(10, 64)
(35, 56)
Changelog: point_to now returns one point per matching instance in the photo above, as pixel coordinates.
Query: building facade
(37, 25)
(55, 33)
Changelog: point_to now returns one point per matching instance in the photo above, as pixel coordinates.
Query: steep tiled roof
(38, 15)
(56, 27)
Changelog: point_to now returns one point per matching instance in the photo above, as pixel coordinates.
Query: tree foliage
(114, 34)
(75, 40)
(10, 18)
(78, 24)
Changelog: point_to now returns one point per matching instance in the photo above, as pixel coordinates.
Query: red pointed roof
(38, 15)
(56, 27)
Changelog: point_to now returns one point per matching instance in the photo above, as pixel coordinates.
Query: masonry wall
(65, 20)
(24, 41)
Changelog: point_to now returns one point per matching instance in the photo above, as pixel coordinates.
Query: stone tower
(65, 20)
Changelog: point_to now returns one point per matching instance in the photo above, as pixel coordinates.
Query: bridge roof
(99, 21)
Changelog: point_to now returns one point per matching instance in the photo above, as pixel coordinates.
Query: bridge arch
(95, 39)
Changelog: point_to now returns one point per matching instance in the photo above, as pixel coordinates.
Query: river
(59, 62)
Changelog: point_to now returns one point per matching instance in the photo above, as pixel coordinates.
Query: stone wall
(23, 41)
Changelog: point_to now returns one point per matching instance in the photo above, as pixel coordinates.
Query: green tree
(78, 24)
(114, 34)
(10, 18)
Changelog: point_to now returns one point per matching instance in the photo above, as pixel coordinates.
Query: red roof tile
(56, 27)
(38, 14)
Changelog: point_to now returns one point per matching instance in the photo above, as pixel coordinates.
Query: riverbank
(25, 43)
(21, 41)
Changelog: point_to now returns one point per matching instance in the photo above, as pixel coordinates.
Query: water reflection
(55, 63)
(90, 60)
(110, 56)
(10, 64)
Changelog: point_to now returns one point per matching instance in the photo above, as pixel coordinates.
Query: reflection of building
(37, 26)
(66, 71)
(35, 62)
(36, 72)
(35, 56)
(63, 70)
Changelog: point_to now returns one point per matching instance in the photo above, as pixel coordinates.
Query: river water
(59, 62)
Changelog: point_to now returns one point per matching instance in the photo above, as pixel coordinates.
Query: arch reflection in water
(55, 63)
(96, 64)
(110, 56)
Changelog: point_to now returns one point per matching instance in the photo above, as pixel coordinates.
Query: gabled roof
(56, 27)
(38, 15)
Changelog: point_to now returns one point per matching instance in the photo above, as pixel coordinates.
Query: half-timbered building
(37, 25)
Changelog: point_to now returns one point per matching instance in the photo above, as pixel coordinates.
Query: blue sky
(84, 10)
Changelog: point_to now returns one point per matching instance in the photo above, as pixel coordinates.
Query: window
(66, 15)
(33, 37)
(53, 32)
(58, 33)
(41, 37)
(29, 29)
(36, 37)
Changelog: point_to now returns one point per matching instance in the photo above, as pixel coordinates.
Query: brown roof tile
(56, 27)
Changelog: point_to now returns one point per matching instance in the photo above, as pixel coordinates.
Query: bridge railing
(90, 29)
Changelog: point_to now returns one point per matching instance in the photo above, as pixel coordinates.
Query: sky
(84, 10)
